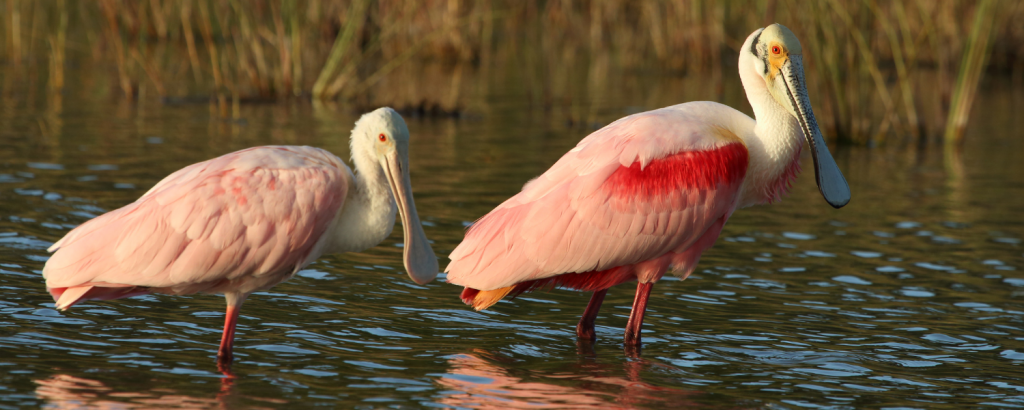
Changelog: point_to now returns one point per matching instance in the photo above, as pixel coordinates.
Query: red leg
(234, 302)
(228, 338)
(585, 329)
(636, 316)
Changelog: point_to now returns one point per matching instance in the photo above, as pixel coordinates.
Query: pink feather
(242, 222)
(640, 192)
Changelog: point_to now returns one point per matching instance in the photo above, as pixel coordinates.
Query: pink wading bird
(650, 192)
(246, 221)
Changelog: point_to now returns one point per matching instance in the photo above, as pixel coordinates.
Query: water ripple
(906, 298)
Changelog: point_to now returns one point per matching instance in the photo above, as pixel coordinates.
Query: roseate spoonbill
(651, 191)
(247, 221)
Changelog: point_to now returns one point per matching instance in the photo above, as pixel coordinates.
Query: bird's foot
(586, 338)
(224, 358)
(585, 332)
(586, 348)
(632, 350)
(631, 344)
(224, 367)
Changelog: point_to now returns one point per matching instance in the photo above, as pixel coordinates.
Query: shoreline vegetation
(877, 69)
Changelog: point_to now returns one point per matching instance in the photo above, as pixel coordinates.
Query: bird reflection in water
(62, 391)
(481, 382)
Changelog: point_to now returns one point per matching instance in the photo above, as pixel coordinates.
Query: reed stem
(353, 22)
(971, 67)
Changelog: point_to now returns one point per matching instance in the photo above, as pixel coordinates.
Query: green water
(910, 297)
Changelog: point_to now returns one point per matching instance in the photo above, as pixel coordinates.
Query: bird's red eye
(382, 137)
(776, 50)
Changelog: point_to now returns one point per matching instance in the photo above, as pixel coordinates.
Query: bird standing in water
(651, 191)
(246, 221)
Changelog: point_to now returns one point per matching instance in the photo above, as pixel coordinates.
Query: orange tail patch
(67, 297)
(586, 281)
(71, 295)
(483, 299)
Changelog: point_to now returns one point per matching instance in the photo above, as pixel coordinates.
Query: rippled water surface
(910, 297)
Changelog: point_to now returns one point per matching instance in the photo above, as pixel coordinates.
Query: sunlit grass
(876, 70)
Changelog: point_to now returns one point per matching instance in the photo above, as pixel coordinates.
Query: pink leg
(585, 329)
(228, 338)
(636, 316)
(234, 301)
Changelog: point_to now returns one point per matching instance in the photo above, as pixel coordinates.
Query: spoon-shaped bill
(831, 182)
(420, 262)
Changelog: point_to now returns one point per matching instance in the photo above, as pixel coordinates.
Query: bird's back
(643, 186)
(245, 220)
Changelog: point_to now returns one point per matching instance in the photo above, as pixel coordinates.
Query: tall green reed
(971, 66)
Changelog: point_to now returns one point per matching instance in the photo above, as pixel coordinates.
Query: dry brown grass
(877, 69)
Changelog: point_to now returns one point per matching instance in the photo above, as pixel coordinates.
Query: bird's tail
(65, 297)
(68, 296)
(481, 300)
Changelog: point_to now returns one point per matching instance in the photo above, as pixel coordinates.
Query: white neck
(774, 145)
(368, 214)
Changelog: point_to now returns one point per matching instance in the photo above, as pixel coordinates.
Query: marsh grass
(903, 70)
(969, 75)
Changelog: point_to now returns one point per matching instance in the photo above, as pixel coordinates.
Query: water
(910, 297)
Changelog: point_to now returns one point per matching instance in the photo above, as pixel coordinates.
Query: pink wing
(643, 186)
(246, 219)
